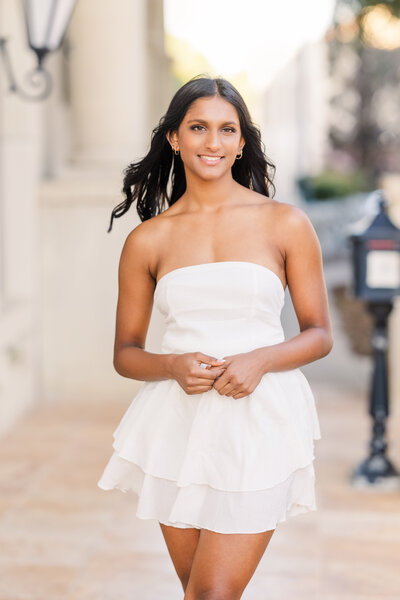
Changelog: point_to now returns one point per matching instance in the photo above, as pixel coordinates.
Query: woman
(218, 443)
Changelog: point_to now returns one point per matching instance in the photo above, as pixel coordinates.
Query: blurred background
(322, 81)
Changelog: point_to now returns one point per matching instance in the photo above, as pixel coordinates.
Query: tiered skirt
(213, 462)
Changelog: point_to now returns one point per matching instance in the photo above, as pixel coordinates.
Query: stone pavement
(61, 538)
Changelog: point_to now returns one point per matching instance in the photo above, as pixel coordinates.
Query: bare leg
(223, 564)
(181, 544)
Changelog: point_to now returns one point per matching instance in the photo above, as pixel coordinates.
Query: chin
(210, 175)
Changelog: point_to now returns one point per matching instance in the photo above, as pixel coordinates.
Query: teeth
(213, 158)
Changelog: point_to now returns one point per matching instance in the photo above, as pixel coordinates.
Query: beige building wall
(113, 70)
(61, 164)
(295, 123)
(21, 150)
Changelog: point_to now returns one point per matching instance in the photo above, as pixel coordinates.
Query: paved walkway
(61, 538)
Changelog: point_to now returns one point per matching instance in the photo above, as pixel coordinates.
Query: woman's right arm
(136, 288)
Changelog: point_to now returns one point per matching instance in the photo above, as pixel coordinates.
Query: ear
(172, 138)
(242, 142)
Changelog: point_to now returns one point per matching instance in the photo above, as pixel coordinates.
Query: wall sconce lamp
(46, 23)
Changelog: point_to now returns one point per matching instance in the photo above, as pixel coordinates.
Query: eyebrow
(205, 122)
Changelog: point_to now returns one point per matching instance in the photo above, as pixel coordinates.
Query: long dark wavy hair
(147, 180)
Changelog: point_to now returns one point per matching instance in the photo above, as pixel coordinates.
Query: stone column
(160, 83)
(108, 81)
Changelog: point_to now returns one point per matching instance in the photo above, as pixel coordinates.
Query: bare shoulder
(143, 242)
(292, 222)
(139, 240)
(142, 237)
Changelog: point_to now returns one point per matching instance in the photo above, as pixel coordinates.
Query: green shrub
(333, 184)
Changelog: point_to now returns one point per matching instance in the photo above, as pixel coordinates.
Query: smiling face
(209, 137)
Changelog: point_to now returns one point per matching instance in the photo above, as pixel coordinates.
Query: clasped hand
(241, 375)
(237, 375)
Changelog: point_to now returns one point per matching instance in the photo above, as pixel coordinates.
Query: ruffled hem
(232, 445)
(215, 462)
(201, 506)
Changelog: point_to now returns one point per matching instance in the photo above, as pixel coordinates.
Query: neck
(206, 196)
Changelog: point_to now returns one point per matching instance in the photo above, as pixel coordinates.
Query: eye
(194, 127)
(229, 129)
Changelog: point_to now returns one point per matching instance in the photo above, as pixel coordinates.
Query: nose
(212, 142)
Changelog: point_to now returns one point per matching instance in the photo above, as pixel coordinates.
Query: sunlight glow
(251, 37)
(381, 28)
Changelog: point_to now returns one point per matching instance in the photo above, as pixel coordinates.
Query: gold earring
(239, 156)
(176, 151)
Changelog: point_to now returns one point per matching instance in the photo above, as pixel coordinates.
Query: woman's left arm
(305, 278)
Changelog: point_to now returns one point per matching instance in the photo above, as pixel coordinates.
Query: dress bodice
(220, 308)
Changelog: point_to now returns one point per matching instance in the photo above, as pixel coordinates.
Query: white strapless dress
(206, 460)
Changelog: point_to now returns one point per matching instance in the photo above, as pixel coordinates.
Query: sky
(253, 36)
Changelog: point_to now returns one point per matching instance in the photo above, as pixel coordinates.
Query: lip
(211, 161)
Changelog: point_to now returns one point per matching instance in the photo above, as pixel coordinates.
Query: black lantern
(376, 259)
(46, 23)
(376, 268)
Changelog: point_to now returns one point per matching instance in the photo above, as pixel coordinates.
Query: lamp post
(376, 267)
(46, 23)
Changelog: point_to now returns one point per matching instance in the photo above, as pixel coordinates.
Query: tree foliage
(358, 6)
(366, 92)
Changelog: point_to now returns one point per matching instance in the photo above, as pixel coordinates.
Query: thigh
(181, 544)
(225, 563)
